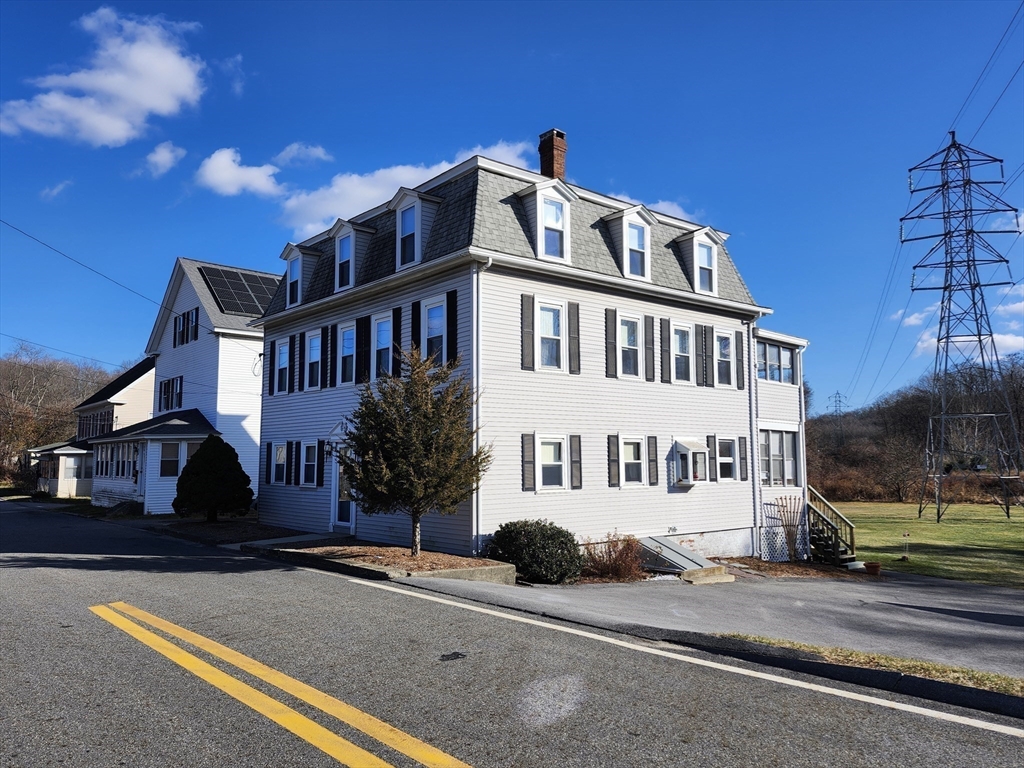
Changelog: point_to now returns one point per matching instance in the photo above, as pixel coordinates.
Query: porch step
(665, 554)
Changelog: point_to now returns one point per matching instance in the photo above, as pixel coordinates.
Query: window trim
(304, 465)
(639, 320)
(170, 394)
(684, 450)
(342, 330)
(730, 337)
(346, 234)
(538, 483)
(761, 344)
(627, 223)
(416, 233)
(698, 242)
(642, 441)
(732, 461)
(272, 480)
(688, 327)
(566, 257)
(177, 459)
(297, 262)
(313, 382)
(425, 307)
(283, 350)
(770, 458)
(563, 347)
(375, 320)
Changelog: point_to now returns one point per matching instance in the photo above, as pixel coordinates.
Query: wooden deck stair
(831, 534)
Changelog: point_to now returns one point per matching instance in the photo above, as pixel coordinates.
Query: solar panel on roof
(239, 293)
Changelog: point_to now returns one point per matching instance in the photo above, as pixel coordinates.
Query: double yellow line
(342, 750)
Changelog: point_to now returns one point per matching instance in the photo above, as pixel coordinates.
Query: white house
(615, 350)
(208, 375)
(66, 469)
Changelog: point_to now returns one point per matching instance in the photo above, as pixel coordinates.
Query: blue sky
(134, 133)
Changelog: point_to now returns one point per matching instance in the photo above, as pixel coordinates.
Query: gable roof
(480, 205)
(172, 424)
(123, 381)
(189, 269)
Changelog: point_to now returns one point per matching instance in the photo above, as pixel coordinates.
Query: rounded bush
(542, 552)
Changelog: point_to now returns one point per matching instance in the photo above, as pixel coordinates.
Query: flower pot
(873, 569)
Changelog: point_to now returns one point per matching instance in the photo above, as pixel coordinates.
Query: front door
(345, 508)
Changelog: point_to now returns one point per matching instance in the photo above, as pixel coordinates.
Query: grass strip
(986, 681)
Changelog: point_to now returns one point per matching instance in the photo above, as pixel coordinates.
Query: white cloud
(348, 194)
(1011, 310)
(51, 192)
(1005, 223)
(668, 207)
(163, 157)
(224, 173)
(233, 69)
(297, 152)
(139, 69)
(897, 315)
(1012, 325)
(1008, 343)
(918, 318)
(1012, 290)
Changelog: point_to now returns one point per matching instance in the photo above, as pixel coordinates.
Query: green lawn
(972, 543)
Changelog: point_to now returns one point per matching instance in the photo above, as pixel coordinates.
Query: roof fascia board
(240, 332)
(177, 275)
(796, 341)
(638, 210)
(145, 436)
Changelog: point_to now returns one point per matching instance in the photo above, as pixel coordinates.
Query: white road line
(1004, 729)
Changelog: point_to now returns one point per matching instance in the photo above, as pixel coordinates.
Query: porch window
(169, 457)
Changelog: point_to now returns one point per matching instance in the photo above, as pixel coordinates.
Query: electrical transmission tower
(970, 428)
(838, 402)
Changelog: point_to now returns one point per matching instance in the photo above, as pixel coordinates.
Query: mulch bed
(384, 556)
(766, 569)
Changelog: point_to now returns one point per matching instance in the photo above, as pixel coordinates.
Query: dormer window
(294, 277)
(630, 231)
(637, 251)
(345, 271)
(407, 237)
(554, 229)
(705, 268)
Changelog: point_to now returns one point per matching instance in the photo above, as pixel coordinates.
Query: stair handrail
(838, 519)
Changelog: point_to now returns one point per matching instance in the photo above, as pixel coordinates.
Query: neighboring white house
(614, 350)
(207, 380)
(66, 469)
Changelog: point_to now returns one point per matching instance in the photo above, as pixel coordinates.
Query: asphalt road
(484, 687)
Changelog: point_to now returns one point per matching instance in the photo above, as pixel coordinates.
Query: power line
(998, 99)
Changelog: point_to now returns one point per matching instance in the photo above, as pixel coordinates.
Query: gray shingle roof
(481, 208)
(171, 424)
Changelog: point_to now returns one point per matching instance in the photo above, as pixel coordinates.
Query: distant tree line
(876, 453)
(37, 395)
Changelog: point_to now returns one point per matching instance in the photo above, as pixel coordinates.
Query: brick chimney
(552, 154)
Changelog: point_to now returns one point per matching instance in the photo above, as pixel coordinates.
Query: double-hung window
(549, 327)
(727, 460)
(554, 228)
(723, 358)
(347, 355)
(435, 324)
(637, 251)
(280, 462)
(309, 464)
(705, 268)
(774, 363)
(407, 236)
(682, 354)
(778, 457)
(313, 360)
(346, 276)
(552, 463)
(631, 455)
(382, 347)
(294, 278)
(282, 367)
(170, 393)
(169, 455)
(629, 345)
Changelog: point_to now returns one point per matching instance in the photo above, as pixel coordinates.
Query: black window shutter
(396, 341)
(648, 348)
(326, 359)
(414, 324)
(320, 463)
(712, 459)
(291, 363)
(575, 463)
(613, 460)
(362, 349)
(529, 482)
(574, 337)
(610, 351)
(698, 349)
(269, 477)
(527, 326)
(666, 350)
(333, 373)
(739, 360)
(709, 356)
(195, 325)
(297, 463)
(302, 361)
(451, 335)
(174, 336)
(652, 460)
(288, 463)
(273, 368)
(743, 458)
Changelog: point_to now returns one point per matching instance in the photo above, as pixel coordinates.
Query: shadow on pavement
(143, 563)
(1004, 619)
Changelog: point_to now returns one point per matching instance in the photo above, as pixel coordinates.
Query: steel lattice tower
(970, 428)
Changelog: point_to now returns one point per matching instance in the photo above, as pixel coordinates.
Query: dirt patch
(766, 569)
(227, 531)
(384, 556)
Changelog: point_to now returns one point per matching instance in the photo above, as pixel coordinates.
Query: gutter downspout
(755, 443)
(478, 269)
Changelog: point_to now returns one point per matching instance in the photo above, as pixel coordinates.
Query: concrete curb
(502, 573)
(792, 660)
